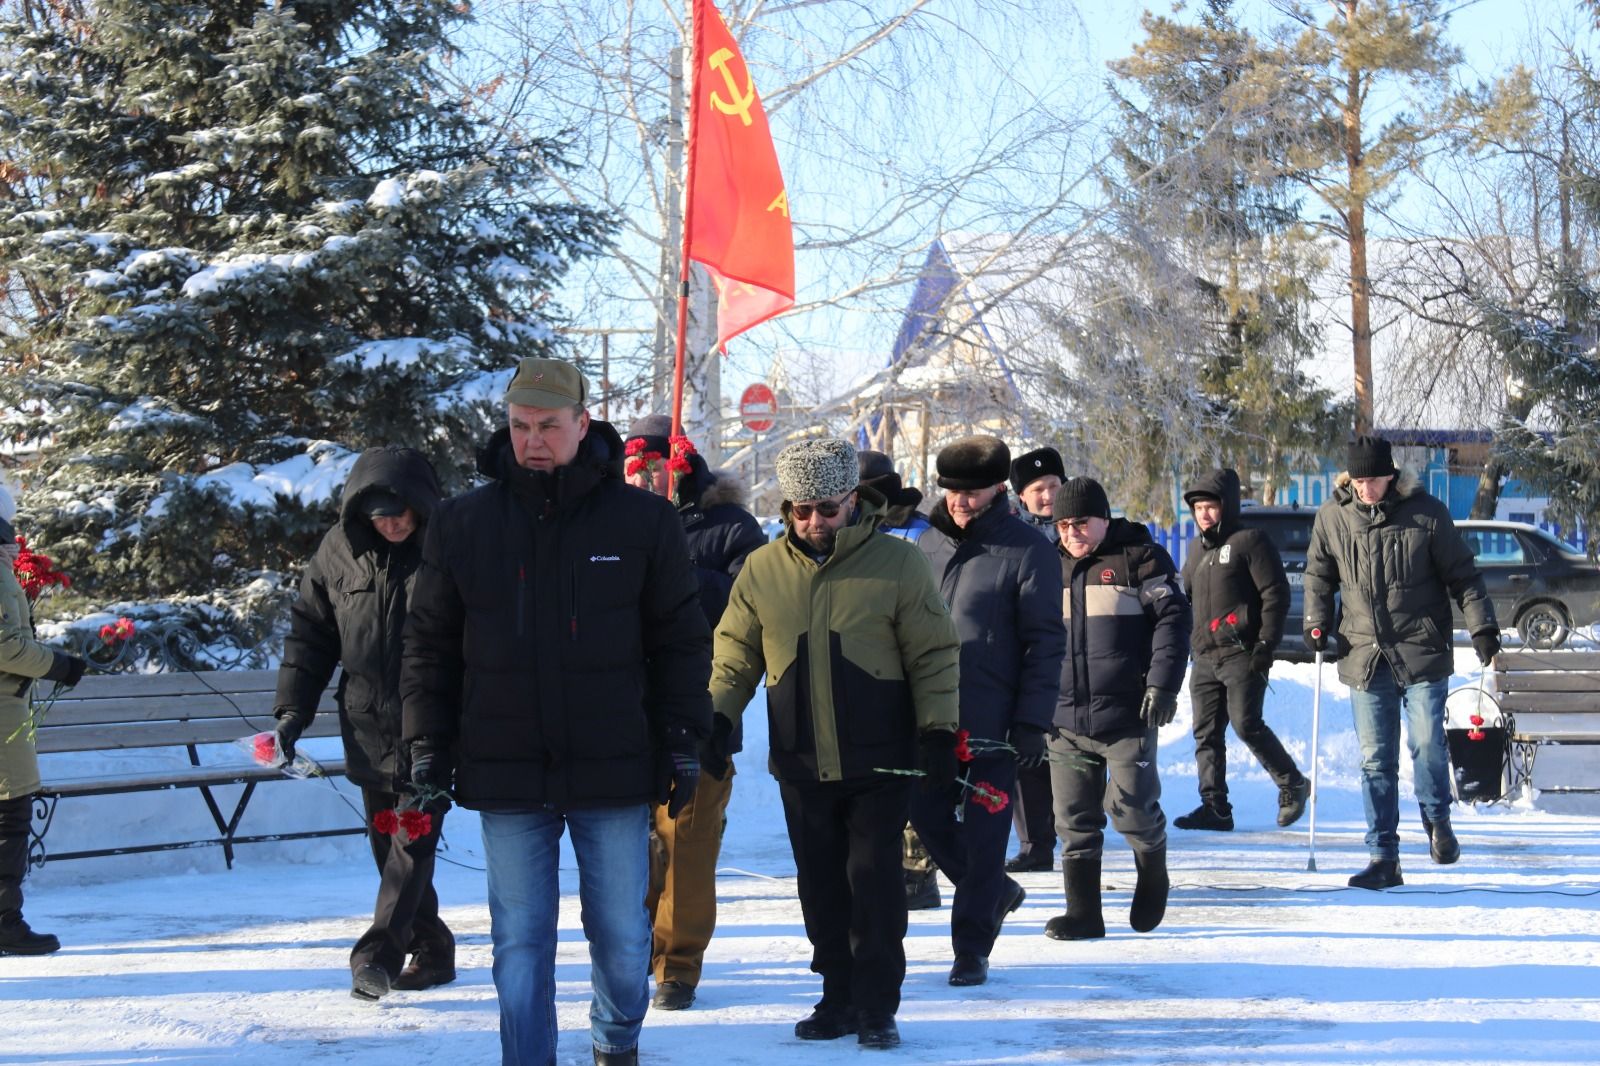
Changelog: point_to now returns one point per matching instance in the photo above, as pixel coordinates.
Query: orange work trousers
(683, 880)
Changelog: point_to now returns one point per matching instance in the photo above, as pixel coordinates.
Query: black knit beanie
(1080, 497)
(1370, 457)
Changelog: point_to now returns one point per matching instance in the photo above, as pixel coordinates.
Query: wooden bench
(191, 710)
(1553, 698)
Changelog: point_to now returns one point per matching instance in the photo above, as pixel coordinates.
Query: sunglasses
(827, 509)
(1079, 524)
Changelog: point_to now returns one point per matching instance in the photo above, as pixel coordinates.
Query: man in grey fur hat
(861, 664)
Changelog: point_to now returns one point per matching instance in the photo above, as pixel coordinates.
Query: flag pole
(688, 222)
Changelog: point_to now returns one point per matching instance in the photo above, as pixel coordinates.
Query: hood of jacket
(1221, 485)
(706, 488)
(405, 472)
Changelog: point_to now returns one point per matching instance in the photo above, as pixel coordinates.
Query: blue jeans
(523, 851)
(1377, 711)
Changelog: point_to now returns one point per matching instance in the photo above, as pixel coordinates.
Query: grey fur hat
(817, 469)
(973, 463)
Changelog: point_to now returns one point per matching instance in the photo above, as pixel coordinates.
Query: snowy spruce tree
(244, 242)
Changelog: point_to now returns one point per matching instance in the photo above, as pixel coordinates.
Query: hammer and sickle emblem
(740, 101)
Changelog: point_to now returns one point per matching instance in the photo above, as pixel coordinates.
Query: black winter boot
(616, 1058)
(1292, 802)
(1083, 920)
(15, 936)
(922, 890)
(1379, 874)
(1204, 817)
(1150, 892)
(1443, 847)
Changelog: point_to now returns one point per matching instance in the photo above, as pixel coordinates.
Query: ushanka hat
(1370, 457)
(973, 463)
(817, 469)
(1031, 466)
(1080, 497)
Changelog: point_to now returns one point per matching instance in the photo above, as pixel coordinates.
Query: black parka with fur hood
(352, 612)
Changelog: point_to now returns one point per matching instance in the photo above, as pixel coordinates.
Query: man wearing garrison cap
(1392, 554)
(861, 660)
(1002, 583)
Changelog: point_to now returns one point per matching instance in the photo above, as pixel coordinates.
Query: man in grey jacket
(1393, 554)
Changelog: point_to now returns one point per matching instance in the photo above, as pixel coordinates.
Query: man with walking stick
(1395, 557)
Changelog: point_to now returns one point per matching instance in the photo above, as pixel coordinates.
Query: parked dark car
(1290, 530)
(1539, 585)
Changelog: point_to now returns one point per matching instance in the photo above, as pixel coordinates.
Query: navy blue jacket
(1127, 628)
(1002, 584)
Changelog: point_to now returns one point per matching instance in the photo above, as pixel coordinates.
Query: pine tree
(1209, 299)
(1325, 74)
(245, 242)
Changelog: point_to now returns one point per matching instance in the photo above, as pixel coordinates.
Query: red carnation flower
(266, 748)
(386, 822)
(108, 633)
(1233, 619)
(416, 824)
(989, 798)
(963, 752)
(634, 466)
(678, 465)
(1215, 622)
(634, 446)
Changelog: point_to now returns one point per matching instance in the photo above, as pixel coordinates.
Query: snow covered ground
(172, 959)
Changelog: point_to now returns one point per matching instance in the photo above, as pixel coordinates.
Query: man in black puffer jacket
(683, 857)
(352, 612)
(1002, 584)
(557, 656)
(1127, 646)
(1236, 582)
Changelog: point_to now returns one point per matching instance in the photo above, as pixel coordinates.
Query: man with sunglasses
(1003, 585)
(861, 663)
(1128, 646)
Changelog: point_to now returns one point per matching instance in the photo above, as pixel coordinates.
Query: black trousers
(405, 918)
(15, 816)
(846, 840)
(1227, 691)
(971, 852)
(1033, 810)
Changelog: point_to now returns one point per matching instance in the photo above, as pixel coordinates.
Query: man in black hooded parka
(352, 612)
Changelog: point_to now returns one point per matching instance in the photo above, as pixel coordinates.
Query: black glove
(66, 670)
(717, 750)
(288, 729)
(1159, 707)
(936, 758)
(1487, 645)
(1028, 740)
(1316, 639)
(683, 754)
(431, 767)
(1261, 659)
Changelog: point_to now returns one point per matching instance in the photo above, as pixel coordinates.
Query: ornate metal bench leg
(44, 810)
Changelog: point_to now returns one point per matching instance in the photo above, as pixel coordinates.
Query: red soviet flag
(737, 217)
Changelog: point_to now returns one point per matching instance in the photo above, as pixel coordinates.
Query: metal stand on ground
(1316, 723)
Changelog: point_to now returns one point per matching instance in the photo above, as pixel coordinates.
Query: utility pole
(667, 276)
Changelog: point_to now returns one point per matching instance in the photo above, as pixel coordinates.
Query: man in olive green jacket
(861, 661)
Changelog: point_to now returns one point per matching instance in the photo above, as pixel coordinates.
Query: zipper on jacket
(522, 596)
(573, 623)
